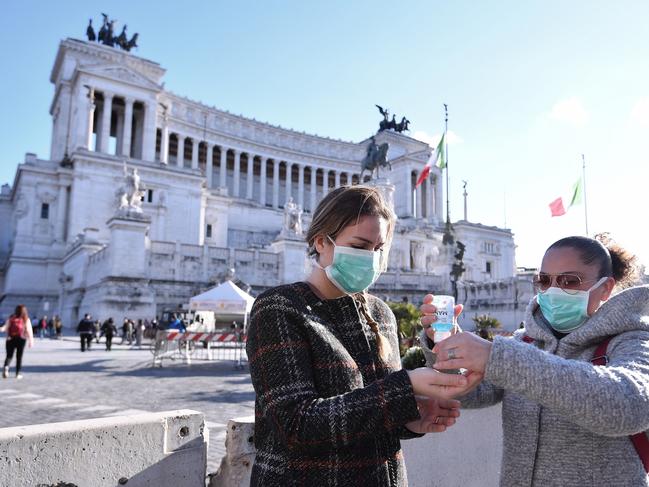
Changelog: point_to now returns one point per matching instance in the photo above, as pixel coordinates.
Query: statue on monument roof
(387, 124)
(106, 36)
(130, 193)
(90, 32)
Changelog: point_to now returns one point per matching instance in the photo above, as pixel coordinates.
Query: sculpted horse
(377, 156)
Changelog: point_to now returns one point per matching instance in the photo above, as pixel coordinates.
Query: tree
(408, 324)
(485, 324)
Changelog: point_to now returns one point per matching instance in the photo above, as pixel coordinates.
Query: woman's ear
(608, 287)
(319, 243)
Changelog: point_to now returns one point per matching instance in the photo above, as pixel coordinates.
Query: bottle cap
(441, 335)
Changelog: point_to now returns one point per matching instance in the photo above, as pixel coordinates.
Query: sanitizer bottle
(445, 312)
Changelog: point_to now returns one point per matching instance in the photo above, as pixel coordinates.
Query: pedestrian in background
(58, 327)
(109, 330)
(86, 329)
(139, 333)
(19, 332)
(50, 327)
(42, 326)
(97, 326)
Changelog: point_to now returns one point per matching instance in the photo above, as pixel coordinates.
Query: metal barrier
(174, 345)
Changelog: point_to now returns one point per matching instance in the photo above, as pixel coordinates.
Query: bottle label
(445, 310)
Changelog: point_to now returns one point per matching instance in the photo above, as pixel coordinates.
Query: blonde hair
(345, 206)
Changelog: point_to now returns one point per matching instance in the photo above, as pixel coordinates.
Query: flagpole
(448, 209)
(447, 238)
(583, 168)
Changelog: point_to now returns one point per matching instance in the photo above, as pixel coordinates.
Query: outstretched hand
(463, 350)
(435, 415)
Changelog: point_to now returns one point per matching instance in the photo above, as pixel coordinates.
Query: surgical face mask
(565, 312)
(353, 270)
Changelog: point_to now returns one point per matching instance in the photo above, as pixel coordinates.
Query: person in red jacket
(19, 332)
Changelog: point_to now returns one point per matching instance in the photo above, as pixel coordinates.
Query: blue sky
(530, 87)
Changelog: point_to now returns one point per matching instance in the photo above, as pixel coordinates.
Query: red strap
(527, 339)
(641, 443)
(639, 440)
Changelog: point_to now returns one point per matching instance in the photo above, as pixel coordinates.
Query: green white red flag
(437, 158)
(557, 207)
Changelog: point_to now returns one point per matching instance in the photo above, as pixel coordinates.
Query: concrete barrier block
(236, 465)
(155, 449)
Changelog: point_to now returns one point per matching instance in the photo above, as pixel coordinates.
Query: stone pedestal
(386, 187)
(293, 258)
(127, 244)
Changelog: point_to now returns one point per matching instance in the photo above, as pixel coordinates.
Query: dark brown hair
(345, 206)
(21, 312)
(612, 259)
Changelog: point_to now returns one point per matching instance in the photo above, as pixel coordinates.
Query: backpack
(16, 327)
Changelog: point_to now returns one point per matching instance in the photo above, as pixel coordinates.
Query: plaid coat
(327, 411)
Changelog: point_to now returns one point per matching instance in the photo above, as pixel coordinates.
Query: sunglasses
(569, 283)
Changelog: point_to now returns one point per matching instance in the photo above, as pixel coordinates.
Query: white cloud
(432, 140)
(640, 113)
(571, 111)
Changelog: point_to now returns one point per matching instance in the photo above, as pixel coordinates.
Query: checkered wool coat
(327, 411)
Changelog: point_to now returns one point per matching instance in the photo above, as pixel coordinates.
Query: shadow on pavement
(197, 369)
(99, 365)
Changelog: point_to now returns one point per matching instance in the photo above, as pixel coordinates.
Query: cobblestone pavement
(62, 384)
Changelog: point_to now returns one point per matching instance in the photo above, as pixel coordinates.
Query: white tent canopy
(226, 298)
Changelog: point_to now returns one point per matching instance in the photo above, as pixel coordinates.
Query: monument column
(418, 201)
(91, 118)
(408, 192)
(314, 188)
(164, 143)
(128, 127)
(262, 181)
(300, 185)
(275, 183)
(223, 167)
(289, 180)
(325, 182)
(439, 198)
(149, 131)
(237, 173)
(105, 122)
(194, 153)
(337, 180)
(250, 174)
(180, 159)
(209, 167)
(430, 214)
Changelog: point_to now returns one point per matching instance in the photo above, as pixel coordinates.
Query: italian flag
(557, 208)
(438, 158)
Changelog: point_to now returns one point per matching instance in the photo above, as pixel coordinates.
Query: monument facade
(148, 197)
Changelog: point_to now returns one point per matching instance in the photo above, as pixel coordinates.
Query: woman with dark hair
(574, 382)
(332, 401)
(19, 332)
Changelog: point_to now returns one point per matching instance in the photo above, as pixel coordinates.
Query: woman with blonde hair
(332, 401)
(19, 332)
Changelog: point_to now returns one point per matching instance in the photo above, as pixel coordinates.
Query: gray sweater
(565, 421)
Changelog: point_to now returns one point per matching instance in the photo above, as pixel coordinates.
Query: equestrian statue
(376, 157)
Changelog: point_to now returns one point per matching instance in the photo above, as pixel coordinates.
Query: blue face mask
(565, 312)
(353, 270)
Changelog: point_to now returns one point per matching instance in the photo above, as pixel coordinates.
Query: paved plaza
(62, 384)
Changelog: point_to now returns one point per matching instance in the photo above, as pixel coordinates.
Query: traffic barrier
(174, 344)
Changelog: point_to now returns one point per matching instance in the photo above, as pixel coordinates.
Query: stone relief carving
(130, 194)
(22, 207)
(418, 255)
(292, 220)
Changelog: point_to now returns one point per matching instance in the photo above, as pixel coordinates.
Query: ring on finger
(451, 354)
(437, 420)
